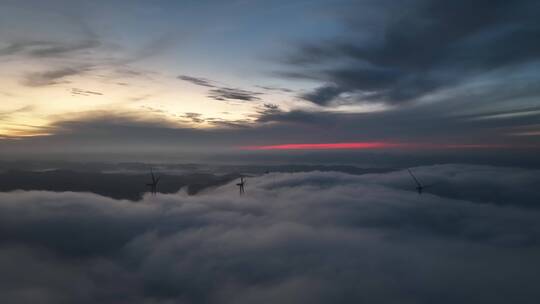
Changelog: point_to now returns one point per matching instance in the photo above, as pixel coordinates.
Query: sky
(250, 76)
(389, 150)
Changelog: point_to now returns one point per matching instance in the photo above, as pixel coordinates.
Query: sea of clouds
(316, 237)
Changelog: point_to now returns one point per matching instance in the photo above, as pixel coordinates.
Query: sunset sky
(194, 75)
(269, 151)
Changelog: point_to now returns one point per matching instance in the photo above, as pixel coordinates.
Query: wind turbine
(241, 185)
(419, 185)
(154, 183)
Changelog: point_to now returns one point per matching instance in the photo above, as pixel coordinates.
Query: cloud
(275, 89)
(293, 238)
(111, 134)
(76, 91)
(16, 47)
(400, 52)
(323, 95)
(268, 109)
(24, 109)
(77, 48)
(46, 49)
(222, 93)
(84, 39)
(62, 49)
(194, 117)
(52, 77)
(197, 81)
(117, 185)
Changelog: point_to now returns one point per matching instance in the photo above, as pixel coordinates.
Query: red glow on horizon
(371, 145)
(326, 146)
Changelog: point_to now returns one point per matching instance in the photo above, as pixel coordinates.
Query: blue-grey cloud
(415, 48)
(52, 77)
(108, 134)
(275, 89)
(224, 93)
(197, 81)
(323, 95)
(293, 238)
(220, 92)
(47, 49)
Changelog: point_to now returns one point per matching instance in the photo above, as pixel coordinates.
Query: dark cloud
(271, 107)
(52, 77)
(194, 117)
(86, 40)
(275, 89)
(82, 53)
(323, 95)
(224, 93)
(62, 49)
(197, 81)
(293, 238)
(16, 47)
(414, 48)
(43, 49)
(107, 134)
(268, 109)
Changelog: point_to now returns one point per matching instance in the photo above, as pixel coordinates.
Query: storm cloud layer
(293, 238)
(399, 51)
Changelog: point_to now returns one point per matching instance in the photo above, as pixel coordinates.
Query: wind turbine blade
(414, 177)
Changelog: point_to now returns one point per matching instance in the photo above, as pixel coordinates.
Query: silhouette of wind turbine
(419, 186)
(154, 183)
(241, 185)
